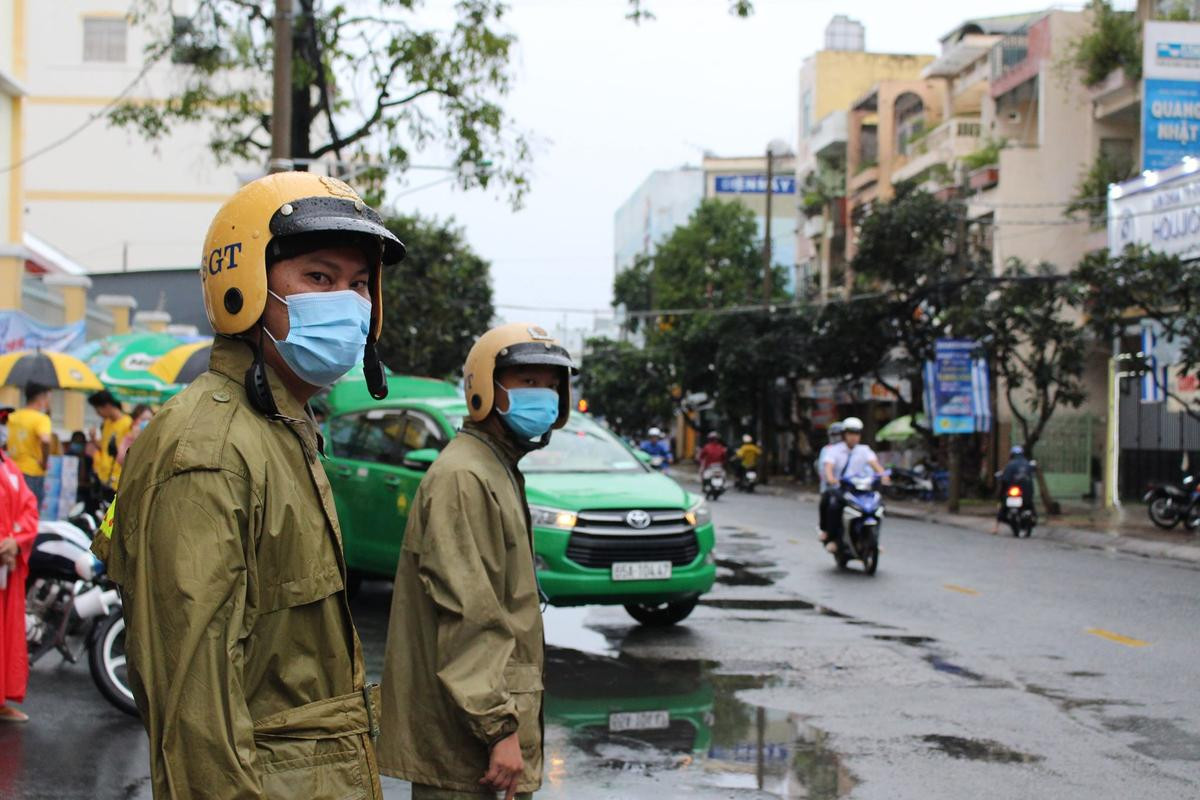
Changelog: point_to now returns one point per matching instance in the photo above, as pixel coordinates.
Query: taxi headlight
(698, 515)
(544, 517)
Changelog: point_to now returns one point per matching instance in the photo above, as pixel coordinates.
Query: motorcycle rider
(848, 458)
(462, 685)
(243, 657)
(835, 437)
(657, 447)
(747, 455)
(713, 454)
(1017, 472)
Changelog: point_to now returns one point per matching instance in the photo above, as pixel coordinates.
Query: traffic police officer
(243, 658)
(462, 681)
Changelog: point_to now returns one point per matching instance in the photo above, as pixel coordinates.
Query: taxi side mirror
(420, 460)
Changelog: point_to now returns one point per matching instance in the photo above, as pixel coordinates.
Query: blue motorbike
(862, 515)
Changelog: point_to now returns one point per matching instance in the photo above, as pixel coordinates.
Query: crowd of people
(30, 443)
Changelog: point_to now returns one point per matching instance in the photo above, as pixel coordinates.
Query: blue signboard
(755, 184)
(957, 392)
(1170, 122)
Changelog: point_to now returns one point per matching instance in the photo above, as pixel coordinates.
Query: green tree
(370, 83)
(438, 300)
(625, 385)
(1122, 288)
(633, 289)
(1115, 40)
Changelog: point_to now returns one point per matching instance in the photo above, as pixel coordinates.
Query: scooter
(1170, 503)
(746, 479)
(713, 481)
(862, 515)
(1019, 512)
(72, 606)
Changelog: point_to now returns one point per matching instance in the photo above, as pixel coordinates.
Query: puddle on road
(647, 717)
(979, 750)
(911, 641)
(731, 572)
(1159, 739)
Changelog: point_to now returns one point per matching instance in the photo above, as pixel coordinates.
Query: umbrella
(123, 362)
(184, 363)
(901, 428)
(50, 369)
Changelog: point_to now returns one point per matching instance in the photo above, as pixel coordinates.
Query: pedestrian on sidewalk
(242, 654)
(106, 446)
(18, 529)
(29, 435)
(462, 677)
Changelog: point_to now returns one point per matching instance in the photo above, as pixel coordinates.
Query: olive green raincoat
(242, 654)
(465, 649)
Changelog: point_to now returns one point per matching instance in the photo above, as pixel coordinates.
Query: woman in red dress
(18, 529)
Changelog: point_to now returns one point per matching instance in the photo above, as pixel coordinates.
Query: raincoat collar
(231, 358)
(508, 452)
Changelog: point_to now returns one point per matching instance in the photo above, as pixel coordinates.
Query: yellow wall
(844, 76)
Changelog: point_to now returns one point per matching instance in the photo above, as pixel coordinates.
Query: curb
(1094, 540)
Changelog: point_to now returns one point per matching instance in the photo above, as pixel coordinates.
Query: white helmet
(852, 425)
(654, 432)
(747, 438)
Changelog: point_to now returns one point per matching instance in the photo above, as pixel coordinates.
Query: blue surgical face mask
(531, 411)
(327, 334)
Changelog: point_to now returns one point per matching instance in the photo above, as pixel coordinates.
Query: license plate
(639, 721)
(1015, 502)
(641, 570)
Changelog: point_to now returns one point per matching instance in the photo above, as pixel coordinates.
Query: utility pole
(765, 405)
(281, 98)
(960, 261)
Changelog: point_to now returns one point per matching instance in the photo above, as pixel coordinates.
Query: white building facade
(662, 203)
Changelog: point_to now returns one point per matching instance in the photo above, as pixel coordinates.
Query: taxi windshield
(582, 446)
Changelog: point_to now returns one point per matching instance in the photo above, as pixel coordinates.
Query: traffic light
(582, 405)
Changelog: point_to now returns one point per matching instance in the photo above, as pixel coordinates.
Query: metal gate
(1064, 455)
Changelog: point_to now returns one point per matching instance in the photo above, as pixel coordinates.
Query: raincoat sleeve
(25, 515)
(189, 608)
(460, 551)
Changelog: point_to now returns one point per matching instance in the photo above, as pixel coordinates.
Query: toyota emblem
(638, 520)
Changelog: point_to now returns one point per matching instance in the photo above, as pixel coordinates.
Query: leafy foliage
(1114, 41)
(985, 156)
(639, 11)
(625, 385)
(370, 84)
(437, 301)
(1091, 195)
(1037, 346)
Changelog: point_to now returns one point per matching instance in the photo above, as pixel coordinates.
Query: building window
(104, 39)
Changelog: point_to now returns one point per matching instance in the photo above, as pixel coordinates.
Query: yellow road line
(960, 589)
(1116, 637)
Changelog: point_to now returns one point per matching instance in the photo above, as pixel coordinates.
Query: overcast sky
(611, 101)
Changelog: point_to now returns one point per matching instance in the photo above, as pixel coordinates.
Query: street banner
(19, 331)
(754, 184)
(1184, 389)
(1170, 93)
(957, 389)
(1154, 380)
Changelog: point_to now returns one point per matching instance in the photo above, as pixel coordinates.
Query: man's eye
(319, 277)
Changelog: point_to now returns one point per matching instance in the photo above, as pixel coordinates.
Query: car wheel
(661, 615)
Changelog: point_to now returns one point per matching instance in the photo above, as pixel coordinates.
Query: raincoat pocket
(524, 682)
(317, 751)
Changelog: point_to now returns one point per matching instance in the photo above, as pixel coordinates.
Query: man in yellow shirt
(116, 425)
(749, 452)
(29, 432)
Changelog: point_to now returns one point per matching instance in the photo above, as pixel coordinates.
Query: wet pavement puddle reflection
(650, 717)
(979, 750)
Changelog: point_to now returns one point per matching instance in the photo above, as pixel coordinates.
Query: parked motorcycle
(1170, 503)
(910, 484)
(72, 606)
(714, 482)
(862, 515)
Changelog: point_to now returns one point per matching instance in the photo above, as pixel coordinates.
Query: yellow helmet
(233, 268)
(517, 344)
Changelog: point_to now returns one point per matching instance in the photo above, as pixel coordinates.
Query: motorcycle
(747, 478)
(1019, 512)
(916, 483)
(713, 482)
(862, 514)
(72, 606)
(1170, 503)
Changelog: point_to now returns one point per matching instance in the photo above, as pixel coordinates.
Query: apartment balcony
(864, 178)
(1117, 96)
(814, 227)
(945, 144)
(828, 137)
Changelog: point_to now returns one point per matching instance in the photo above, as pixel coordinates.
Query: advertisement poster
(18, 331)
(957, 392)
(1170, 93)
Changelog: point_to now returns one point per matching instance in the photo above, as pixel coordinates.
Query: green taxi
(607, 529)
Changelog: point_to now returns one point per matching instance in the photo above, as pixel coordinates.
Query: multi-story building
(830, 81)
(662, 203)
(102, 195)
(743, 179)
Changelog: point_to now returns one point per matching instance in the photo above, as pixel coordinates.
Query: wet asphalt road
(970, 666)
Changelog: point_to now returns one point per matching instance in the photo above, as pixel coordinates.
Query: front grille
(588, 550)
(662, 521)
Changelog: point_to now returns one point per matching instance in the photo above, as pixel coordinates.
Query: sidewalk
(1121, 531)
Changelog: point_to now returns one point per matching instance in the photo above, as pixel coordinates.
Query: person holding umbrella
(29, 432)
